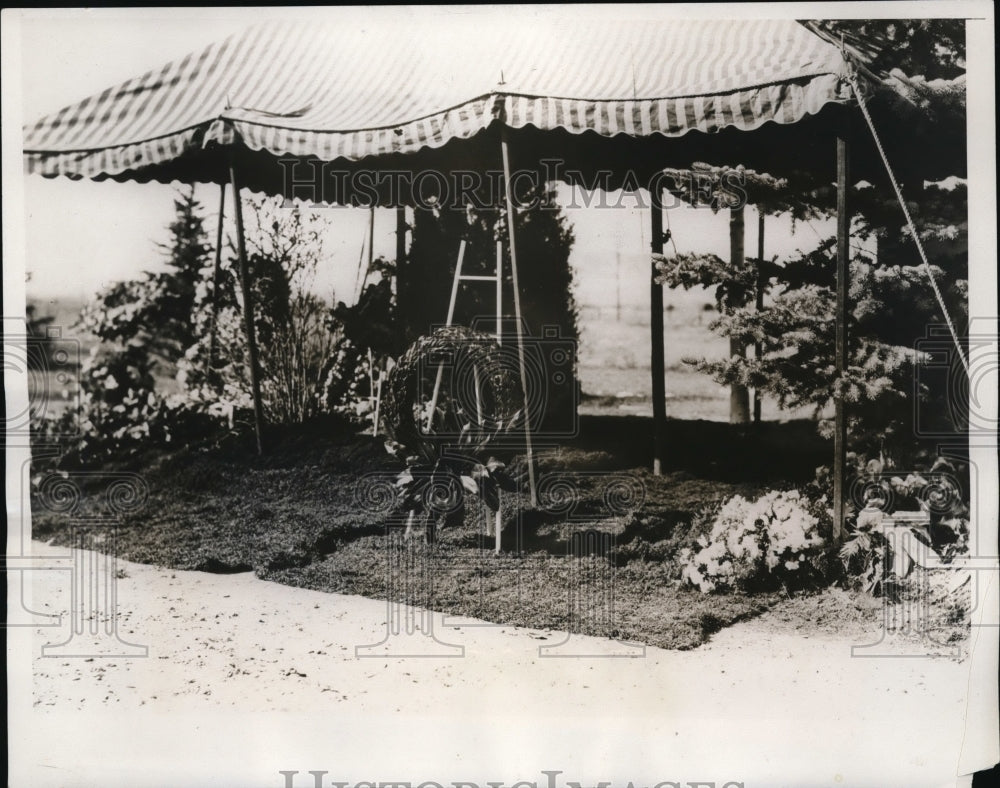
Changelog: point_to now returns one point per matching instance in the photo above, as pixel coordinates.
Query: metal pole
(517, 310)
(479, 394)
(497, 531)
(758, 348)
(245, 284)
(215, 278)
(656, 339)
(843, 256)
(371, 385)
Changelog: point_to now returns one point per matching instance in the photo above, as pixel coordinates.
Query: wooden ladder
(459, 278)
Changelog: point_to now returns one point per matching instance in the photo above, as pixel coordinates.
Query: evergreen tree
(154, 311)
(544, 242)
(892, 303)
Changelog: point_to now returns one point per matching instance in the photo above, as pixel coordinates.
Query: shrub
(121, 413)
(757, 545)
(295, 339)
(880, 566)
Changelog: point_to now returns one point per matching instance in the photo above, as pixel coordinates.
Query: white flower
(110, 384)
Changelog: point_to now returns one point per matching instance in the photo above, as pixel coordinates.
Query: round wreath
(463, 356)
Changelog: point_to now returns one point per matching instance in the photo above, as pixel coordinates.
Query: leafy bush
(891, 302)
(371, 339)
(757, 545)
(138, 419)
(294, 335)
(870, 561)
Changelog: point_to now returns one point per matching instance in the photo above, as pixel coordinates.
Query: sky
(81, 236)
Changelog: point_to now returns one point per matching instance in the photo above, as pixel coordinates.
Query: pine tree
(892, 303)
(544, 242)
(154, 311)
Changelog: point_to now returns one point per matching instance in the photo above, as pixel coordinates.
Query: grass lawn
(293, 517)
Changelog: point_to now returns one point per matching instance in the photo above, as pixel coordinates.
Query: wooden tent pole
(378, 402)
(656, 355)
(500, 292)
(215, 279)
(497, 519)
(362, 278)
(400, 257)
(843, 258)
(245, 284)
(758, 348)
(371, 238)
(509, 197)
(400, 234)
(739, 396)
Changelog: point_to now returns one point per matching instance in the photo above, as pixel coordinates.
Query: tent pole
(517, 309)
(758, 348)
(400, 253)
(215, 279)
(400, 234)
(656, 338)
(499, 326)
(371, 237)
(245, 285)
(739, 395)
(843, 255)
(497, 519)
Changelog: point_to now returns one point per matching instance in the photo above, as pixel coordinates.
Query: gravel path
(758, 693)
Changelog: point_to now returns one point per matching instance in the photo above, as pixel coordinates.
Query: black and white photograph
(505, 396)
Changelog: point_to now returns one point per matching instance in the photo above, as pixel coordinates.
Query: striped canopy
(394, 92)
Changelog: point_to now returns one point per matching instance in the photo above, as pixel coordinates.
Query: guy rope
(909, 219)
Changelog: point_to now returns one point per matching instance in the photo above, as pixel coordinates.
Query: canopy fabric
(332, 92)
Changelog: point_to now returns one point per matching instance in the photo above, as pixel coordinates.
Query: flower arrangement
(440, 440)
(755, 544)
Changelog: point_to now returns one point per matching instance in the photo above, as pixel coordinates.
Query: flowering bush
(754, 545)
